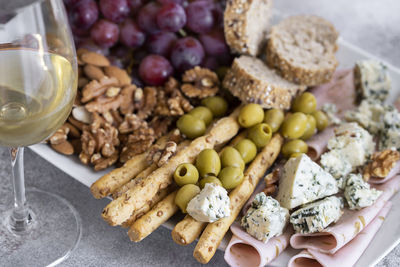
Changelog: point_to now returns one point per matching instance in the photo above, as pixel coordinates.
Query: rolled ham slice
(317, 144)
(245, 251)
(347, 255)
(340, 91)
(393, 172)
(349, 225)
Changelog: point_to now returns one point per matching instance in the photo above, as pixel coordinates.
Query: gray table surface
(372, 25)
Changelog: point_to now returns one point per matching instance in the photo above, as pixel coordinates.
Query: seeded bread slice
(246, 24)
(302, 49)
(252, 81)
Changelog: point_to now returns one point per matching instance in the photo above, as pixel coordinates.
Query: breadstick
(187, 230)
(149, 222)
(214, 232)
(119, 210)
(110, 182)
(149, 205)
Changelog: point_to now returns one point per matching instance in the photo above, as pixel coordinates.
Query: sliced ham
(393, 172)
(245, 251)
(317, 144)
(350, 224)
(340, 91)
(347, 255)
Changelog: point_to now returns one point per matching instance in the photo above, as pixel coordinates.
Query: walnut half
(381, 164)
(200, 83)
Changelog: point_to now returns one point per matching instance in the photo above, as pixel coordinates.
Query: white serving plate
(385, 240)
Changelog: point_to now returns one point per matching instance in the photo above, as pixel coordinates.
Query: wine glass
(38, 83)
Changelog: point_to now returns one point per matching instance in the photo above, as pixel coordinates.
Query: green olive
(274, 118)
(231, 177)
(191, 126)
(260, 134)
(250, 115)
(202, 113)
(209, 179)
(296, 154)
(231, 157)
(185, 194)
(186, 173)
(247, 150)
(310, 128)
(294, 125)
(322, 120)
(208, 163)
(216, 104)
(294, 146)
(305, 103)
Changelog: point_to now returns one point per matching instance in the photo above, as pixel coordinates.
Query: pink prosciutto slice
(317, 144)
(340, 91)
(393, 172)
(245, 251)
(347, 255)
(350, 224)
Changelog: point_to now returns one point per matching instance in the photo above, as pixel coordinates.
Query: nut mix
(381, 164)
(113, 120)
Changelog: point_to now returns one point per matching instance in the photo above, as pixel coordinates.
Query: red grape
(161, 43)
(105, 33)
(147, 17)
(70, 3)
(200, 17)
(155, 70)
(171, 1)
(171, 17)
(187, 53)
(116, 61)
(131, 35)
(115, 10)
(214, 43)
(135, 78)
(83, 14)
(135, 5)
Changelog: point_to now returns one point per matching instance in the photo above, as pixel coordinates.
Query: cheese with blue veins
(303, 181)
(358, 193)
(265, 218)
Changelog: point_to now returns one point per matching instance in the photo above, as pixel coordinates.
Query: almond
(95, 59)
(77, 144)
(73, 131)
(64, 148)
(93, 72)
(121, 75)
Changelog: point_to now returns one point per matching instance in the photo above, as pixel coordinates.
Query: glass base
(53, 232)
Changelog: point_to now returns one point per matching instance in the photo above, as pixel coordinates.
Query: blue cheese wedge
(316, 216)
(348, 149)
(369, 115)
(372, 80)
(358, 193)
(265, 218)
(390, 132)
(210, 205)
(303, 181)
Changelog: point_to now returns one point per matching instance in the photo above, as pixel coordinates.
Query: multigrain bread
(302, 49)
(245, 25)
(252, 81)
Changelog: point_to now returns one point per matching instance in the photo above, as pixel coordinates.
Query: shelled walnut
(200, 83)
(381, 164)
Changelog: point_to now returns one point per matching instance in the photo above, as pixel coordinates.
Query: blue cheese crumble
(331, 110)
(372, 80)
(316, 216)
(265, 218)
(303, 181)
(210, 205)
(369, 115)
(390, 132)
(348, 149)
(358, 192)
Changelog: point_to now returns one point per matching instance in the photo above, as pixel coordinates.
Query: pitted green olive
(191, 126)
(185, 194)
(186, 173)
(305, 103)
(250, 115)
(274, 118)
(310, 128)
(294, 146)
(209, 179)
(216, 104)
(208, 163)
(247, 150)
(294, 125)
(260, 134)
(202, 113)
(231, 177)
(231, 157)
(322, 120)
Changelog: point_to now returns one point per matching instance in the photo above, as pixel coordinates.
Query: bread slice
(302, 49)
(252, 81)
(246, 24)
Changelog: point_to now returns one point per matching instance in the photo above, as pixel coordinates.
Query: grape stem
(20, 220)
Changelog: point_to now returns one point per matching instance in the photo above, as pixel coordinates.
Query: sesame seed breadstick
(120, 209)
(214, 232)
(149, 222)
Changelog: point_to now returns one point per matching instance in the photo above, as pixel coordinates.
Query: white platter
(385, 240)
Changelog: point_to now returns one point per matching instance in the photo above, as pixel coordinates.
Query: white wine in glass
(38, 83)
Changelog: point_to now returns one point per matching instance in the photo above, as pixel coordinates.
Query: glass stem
(20, 217)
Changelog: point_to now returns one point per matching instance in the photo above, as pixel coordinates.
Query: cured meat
(317, 144)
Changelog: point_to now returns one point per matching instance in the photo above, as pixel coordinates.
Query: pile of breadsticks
(144, 192)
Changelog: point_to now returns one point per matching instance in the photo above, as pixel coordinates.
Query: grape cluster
(154, 39)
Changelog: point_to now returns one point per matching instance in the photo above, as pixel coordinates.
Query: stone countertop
(372, 25)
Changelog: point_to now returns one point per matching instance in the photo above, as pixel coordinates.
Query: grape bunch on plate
(153, 39)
